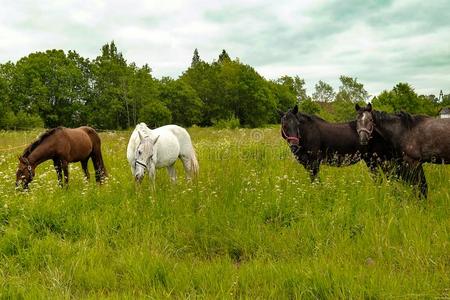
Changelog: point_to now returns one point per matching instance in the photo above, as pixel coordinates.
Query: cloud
(379, 42)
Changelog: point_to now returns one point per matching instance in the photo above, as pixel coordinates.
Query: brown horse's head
(25, 172)
(364, 123)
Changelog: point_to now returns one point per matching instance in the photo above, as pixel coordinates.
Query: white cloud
(306, 38)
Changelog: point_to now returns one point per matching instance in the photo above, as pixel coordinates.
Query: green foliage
(344, 110)
(403, 98)
(231, 123)
(309, 106)
(351, 90)
(296, 85)
(20, 120)
(224, 57)
(195, 58)
(323, 92)
(182, 101)
(155, 114)
(66, 89)
(229, 88)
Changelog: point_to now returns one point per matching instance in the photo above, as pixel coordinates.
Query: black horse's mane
(407, 119)
(312, 117)
(39, 141)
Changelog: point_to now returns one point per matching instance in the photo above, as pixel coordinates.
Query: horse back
(339, 138)
(430, 139)
(81, 141)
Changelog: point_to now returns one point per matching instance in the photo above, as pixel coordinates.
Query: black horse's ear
(295, 109)
(357, 107)
(369, 106)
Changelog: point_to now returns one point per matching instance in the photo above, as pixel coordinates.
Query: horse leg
(313, 168)
(97, 168)
(65, 168)
(84, 166)
(172, 173)
(422, 182)
(418, 180)
(58, 167)
(415, 175)
(188, 168)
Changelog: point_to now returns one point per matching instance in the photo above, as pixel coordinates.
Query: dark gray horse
(419, 138)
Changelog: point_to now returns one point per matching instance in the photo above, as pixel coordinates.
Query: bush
(21, 120)
(230, 123)
(155, 114)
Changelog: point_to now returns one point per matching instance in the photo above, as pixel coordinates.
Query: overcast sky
(379, 42)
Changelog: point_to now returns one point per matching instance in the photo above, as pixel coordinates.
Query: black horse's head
(25, 172)
(364, 123)
(292, 123)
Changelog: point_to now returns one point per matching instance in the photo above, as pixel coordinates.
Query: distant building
(444, 113)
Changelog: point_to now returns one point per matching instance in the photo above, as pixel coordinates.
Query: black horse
(314, 141)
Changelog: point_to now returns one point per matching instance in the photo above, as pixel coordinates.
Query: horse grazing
(161, 147)
(63, 146)
(419, 138)
(314, 141)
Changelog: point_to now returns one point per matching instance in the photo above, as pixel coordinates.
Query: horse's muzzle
(364, 142)
(138, 178)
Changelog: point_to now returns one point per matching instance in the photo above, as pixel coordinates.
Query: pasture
(251, 226)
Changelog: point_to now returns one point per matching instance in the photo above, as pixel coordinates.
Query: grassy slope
(253, 226)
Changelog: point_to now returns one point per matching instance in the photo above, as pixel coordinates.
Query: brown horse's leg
(57, 164)
(65, 168)
(84, 165)
(97, 168)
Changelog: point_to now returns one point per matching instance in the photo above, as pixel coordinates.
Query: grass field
(252, 226)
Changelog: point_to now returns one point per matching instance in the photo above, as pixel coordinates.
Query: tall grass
(251, 226)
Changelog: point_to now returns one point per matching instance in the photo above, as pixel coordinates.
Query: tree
(49, 84)
(182, 101)
(195, 58)
(224, 57)
(403, 98)
(283, 96)
(351, 90)
(309, 106)
(324, 92)
(143, 88)
(155, 114)
(296, 85)
(110, 103)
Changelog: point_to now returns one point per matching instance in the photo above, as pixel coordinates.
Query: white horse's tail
(194, 163)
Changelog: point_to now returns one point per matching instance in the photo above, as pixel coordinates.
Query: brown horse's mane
(39, 141)
(407, 119)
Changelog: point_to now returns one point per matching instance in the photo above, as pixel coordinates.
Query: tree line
(54, 88)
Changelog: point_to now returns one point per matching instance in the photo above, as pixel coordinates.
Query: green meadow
(251, 226)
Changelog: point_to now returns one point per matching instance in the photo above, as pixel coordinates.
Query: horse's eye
(139, 152)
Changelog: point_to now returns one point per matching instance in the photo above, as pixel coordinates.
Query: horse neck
(333, 130)
(391, 130)
(41, 153)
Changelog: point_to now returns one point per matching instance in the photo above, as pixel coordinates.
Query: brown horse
(63, 146)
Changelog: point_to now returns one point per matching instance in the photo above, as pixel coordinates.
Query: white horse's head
(145, 156)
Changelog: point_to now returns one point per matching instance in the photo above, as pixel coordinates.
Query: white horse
(159, 148)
